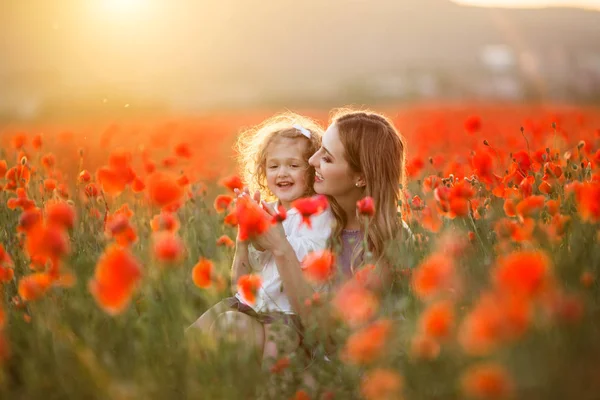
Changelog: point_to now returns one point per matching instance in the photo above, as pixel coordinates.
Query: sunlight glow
(124, 6)
(590, 4)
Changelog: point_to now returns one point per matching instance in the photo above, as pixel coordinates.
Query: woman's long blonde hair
(375, 149)
(252, 145)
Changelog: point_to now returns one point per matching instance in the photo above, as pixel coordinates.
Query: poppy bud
(366, 206)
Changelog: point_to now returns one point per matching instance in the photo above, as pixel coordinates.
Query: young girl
(274, 157)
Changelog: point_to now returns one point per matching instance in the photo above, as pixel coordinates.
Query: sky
(595, 4)
(189, 49)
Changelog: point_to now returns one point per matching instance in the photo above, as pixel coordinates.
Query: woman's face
(333, 175)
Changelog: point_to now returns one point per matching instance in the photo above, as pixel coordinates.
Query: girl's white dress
(304, 240)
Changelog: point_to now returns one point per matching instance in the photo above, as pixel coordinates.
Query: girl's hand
(246, 192)
(274, 238)
(258, 244)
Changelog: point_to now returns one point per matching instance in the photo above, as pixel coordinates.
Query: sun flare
(124, 6)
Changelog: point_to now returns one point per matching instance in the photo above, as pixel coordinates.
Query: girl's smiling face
(286, 169)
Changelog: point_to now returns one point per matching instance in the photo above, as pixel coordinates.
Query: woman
(362, 154)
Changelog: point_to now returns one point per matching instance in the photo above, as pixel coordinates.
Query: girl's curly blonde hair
(252, 145)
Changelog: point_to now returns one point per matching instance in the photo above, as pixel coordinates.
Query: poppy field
(116, 235)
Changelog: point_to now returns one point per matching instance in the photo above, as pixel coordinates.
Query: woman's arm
(296, 287)
(290, 271)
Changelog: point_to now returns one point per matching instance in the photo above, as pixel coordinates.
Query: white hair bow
(302, 130)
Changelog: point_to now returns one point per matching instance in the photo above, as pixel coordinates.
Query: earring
(356, 184)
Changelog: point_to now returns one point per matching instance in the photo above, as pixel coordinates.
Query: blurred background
(81, 58)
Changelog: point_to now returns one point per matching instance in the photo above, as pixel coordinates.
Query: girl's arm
(241, 263)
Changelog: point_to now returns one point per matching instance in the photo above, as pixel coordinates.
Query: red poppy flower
(6, 274)
(368, 344)
(354, 303)
(138, 185)
(553, 206)
(119, 227)
(231, 219)
(280, 365)
(252, 220)
(91, 190)
(437, 320)
(530, 206)
(165, 221)
(588, 201)
(366, 206)
(149, 166)
(36, 142)
(309, 206)
(163, 189)
(48, 161)
(85, 176)
(473, 124)
(414, 167)
(183, 150)
(510, 209)
(168, 247)
(112, 183)
(118, 174)
(424, 347)
(183, 180)
(368, 276)
(61, 214)
(21, 201)
(232, 182)
(226, 241)
(248, 286)
(48, 241)
(416, 203)
(487, 381)
(222, 202)
(5, 258)
(202, 273)
(525, 273)
(319, 266)
(434, 275)
(116, 278)
(34, 286)
(483, 163)
(379, 384)
(280, 216)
